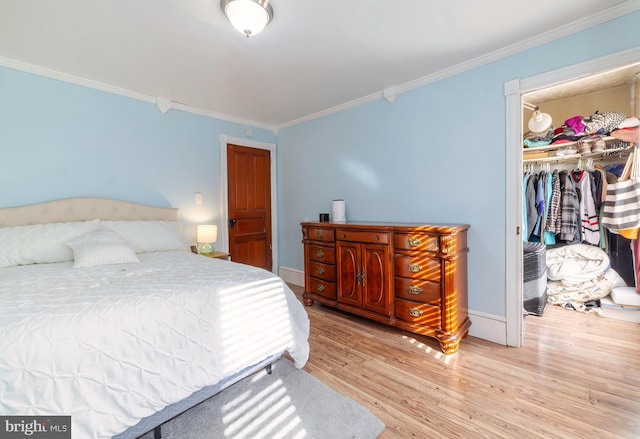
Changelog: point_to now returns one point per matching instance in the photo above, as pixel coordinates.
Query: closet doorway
(570, 84)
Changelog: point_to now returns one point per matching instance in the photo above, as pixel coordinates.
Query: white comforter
(576, 264)
(110, 345)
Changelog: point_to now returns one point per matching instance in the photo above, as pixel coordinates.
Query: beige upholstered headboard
(83, 209)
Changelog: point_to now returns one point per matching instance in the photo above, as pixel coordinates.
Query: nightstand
(219, 255)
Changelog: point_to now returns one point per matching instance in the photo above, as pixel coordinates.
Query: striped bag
(621, 210)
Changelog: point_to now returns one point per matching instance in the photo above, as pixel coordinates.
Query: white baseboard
(291, 276)
(488, 327)
(485, 326)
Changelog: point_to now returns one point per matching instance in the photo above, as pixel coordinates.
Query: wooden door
(249, 187)
(376, 279)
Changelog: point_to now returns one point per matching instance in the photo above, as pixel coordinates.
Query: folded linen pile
(578, 274)
(623, 304)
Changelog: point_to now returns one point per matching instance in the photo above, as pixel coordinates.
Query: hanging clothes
(589, 225)
(549, 238)
(554, 221)
(564, 206)
(570, 208)
(540, 207)
(530, 203)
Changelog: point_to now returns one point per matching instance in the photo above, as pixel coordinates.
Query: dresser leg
(307, 302)
(449, 347)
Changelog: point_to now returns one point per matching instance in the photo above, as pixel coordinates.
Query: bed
(107, 316)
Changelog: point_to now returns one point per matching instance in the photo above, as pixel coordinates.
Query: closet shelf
(553, 147)
(544, 154)
(613, 156)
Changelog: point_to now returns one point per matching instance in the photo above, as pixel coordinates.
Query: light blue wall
(435, 155)
(59, 140)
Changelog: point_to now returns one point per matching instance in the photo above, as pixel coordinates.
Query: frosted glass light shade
(207, 233)
(249, 17)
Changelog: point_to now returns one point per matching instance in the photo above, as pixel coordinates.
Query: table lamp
(206, 235)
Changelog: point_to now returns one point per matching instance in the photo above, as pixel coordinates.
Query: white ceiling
(315, 55)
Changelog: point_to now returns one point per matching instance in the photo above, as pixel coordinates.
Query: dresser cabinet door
(364, 276)
(375, 278)
(348, 267)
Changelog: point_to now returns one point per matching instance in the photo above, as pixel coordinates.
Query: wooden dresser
(412, 276)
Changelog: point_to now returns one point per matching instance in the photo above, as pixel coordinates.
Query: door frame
(513, 91)
(223, 234)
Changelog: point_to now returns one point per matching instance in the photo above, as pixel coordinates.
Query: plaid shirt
(570, 206)
(554, 218)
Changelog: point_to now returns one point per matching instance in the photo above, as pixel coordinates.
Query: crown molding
(221, 116)
(338, 108)
(108, 88)
(513, 49)
(560, 32)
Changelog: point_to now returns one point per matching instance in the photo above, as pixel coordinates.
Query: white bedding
(575, 264)
(112, 344)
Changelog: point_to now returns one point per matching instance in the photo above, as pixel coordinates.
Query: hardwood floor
(578, 376)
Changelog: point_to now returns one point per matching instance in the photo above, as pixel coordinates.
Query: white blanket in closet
(576, 263)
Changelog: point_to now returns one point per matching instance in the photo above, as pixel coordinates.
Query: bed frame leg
(157, 432)
(268, 369)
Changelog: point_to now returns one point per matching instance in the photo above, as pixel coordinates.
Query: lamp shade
(207, 233)
(539, 122)
(249, 17)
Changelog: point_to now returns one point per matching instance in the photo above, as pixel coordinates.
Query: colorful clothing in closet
(564, 206)
(570, 206)
(589, 225)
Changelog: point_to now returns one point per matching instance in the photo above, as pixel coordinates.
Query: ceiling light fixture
(249, 17)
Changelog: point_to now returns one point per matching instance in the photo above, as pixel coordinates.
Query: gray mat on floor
(289, 403)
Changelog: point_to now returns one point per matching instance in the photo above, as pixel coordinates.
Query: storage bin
(535, 277)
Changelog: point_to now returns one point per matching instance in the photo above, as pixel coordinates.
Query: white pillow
(40, 243)
(102, 247)
(148, 236)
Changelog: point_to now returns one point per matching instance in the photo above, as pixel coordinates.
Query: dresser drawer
(418, 290)
(416, 312)
(367, 237)
(417, 267)
(416, 241)
(321, 234)
(325, 255)
(322, 271)
(323, 288)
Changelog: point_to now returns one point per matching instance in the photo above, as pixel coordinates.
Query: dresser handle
(360, 277)
(320, 254)
(415, 268)
(414, 242)
(319, 234)
(415, 312)
(320, 270)
(415, 290)
(320, 288)
(376, 238)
